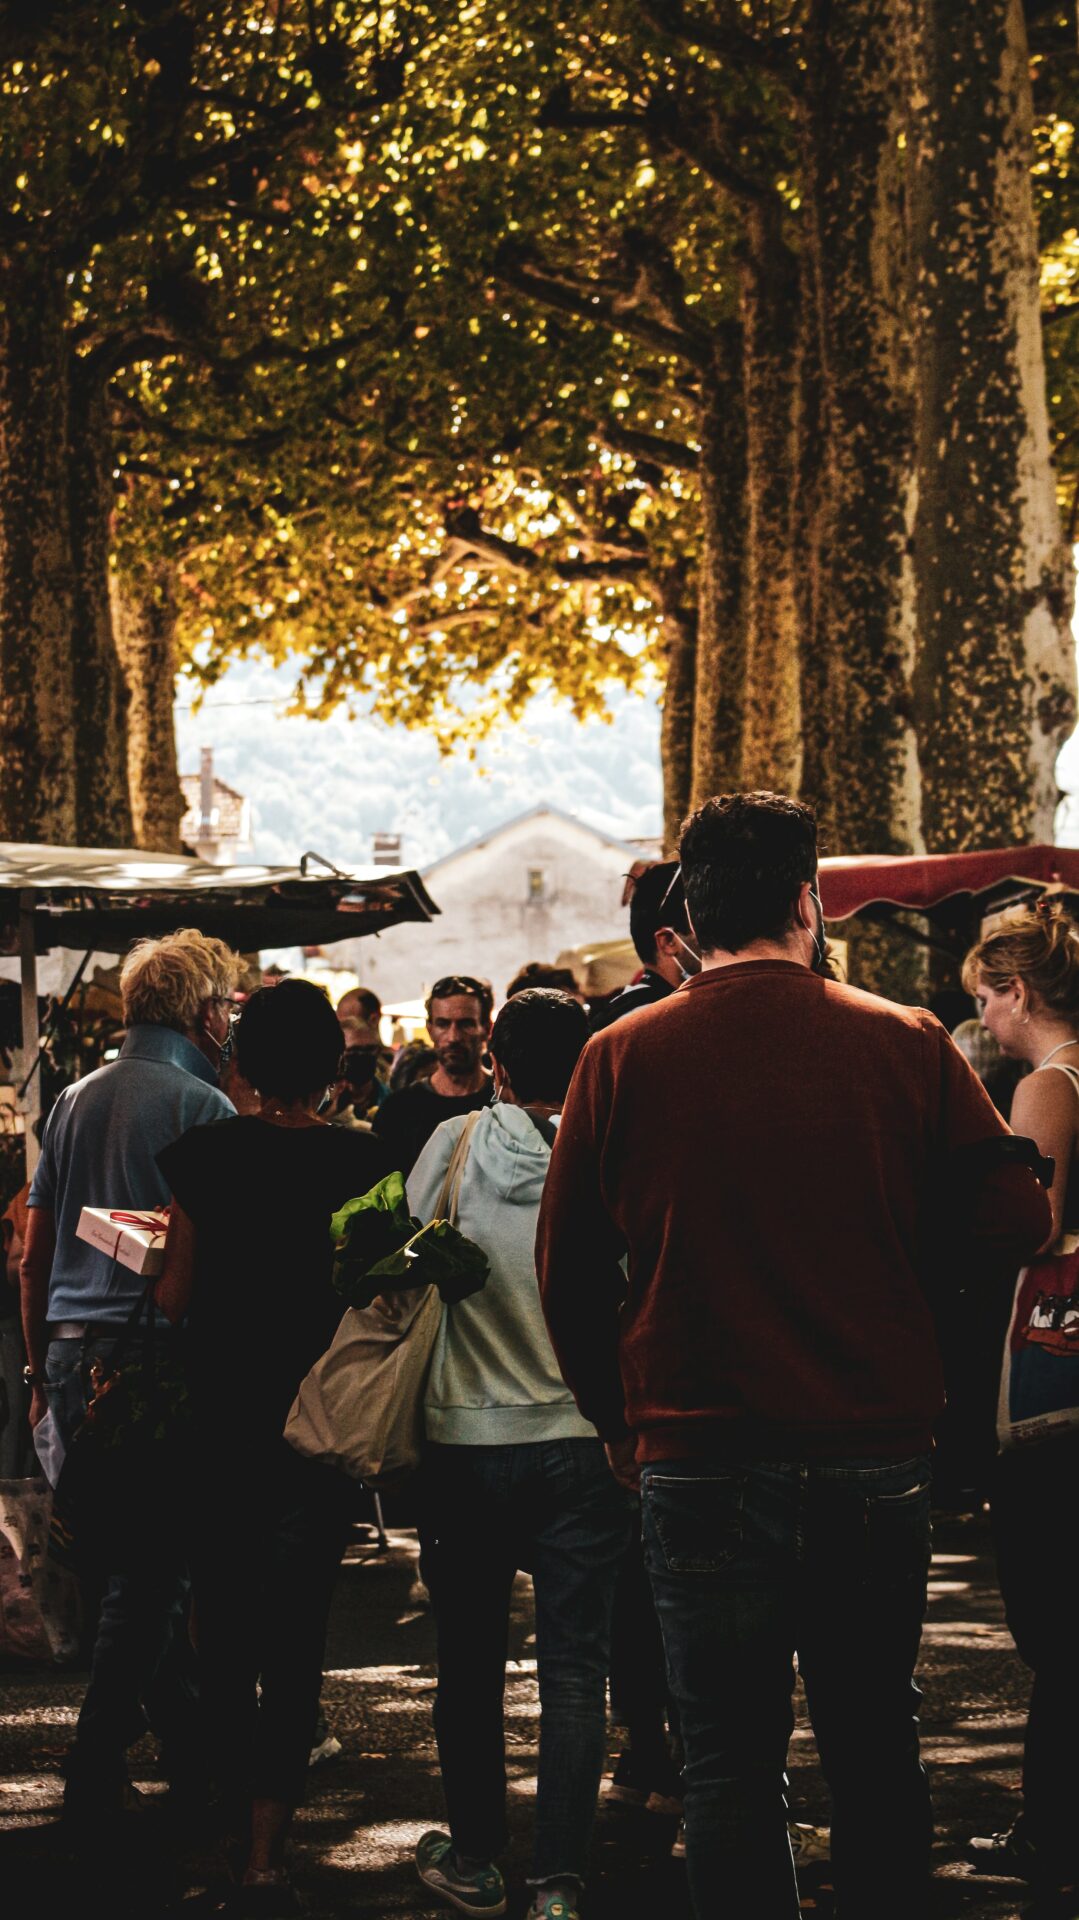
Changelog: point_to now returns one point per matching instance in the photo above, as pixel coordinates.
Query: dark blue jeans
(751, 1563)
(143, 1669)
(554, 1508)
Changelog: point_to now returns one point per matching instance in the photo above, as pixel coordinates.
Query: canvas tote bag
(361, 1406)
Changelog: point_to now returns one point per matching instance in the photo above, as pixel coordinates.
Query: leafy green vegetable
(380, 1245)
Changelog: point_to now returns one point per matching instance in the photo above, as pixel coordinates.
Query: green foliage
(380, 1246)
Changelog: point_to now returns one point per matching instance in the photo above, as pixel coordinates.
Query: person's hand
(622, 1462)
(39, 1406)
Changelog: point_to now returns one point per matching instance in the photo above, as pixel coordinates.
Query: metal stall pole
(31, 1039)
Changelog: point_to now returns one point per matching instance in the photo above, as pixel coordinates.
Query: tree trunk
(858, 640)
(37, 763)
(677, 599)
(718, 721)
(144, 621)
(994, 682)
(103, 807)
(772, 745)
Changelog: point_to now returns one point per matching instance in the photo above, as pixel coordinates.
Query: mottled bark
(772, 746)
(144, 621)
(677, 597)
(718, 722)
(994, 678)
(103, 808)
(37, 770)
(856, 456)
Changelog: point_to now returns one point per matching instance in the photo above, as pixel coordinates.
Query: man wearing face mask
(766, 1361)
(665, 946)
(99, 1149)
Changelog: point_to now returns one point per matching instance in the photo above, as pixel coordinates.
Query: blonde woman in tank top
(1025, 976)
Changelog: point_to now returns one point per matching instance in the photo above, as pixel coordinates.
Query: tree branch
(464, 528)
(665, 126)
(512, 269)
(647, 446)
(727, 41)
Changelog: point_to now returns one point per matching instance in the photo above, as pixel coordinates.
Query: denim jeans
(1037, 1544)
(750, 1564)
(554, 1508)
(142, 1671)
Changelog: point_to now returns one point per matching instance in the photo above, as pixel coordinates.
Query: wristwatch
(33, 1379)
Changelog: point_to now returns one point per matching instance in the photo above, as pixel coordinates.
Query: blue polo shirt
(100, 1149)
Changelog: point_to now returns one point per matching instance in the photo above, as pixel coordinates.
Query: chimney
(206, 794)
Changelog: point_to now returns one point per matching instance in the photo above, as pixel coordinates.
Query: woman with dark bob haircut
(248, 1261)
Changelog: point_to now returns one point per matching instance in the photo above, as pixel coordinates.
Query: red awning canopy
(920, 882)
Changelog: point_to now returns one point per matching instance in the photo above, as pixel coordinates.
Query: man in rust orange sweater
(768, 1149)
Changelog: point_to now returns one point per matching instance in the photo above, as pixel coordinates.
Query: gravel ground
(367, 1808)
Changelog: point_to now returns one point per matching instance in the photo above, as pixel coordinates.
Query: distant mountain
(327, 786)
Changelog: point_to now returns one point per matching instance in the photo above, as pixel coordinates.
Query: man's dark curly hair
(745, 857)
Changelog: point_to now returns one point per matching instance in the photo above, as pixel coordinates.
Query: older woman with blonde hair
(1025, 976)
(99, 1149)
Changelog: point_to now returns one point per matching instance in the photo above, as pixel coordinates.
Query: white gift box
(134, 1236)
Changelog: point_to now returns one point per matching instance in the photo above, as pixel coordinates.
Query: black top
(640, 993)
(405, 1122)
(263, 1308)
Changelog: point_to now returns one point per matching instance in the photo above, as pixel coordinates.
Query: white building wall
(529, 890)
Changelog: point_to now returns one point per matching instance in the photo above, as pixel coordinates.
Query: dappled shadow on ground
(368, 1807)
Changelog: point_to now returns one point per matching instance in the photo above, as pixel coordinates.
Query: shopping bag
(360, 1407)
(39, 1602)
(1039, 1387)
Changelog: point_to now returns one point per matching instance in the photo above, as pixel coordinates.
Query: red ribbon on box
(146, 1222)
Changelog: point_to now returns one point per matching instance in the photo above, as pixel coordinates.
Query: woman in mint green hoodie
(517, 1479)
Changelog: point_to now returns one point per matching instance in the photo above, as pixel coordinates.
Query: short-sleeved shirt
(263, 1307)
(406, 1121)
(100, 1149)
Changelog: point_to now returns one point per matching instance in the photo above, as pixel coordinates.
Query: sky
(326, 786)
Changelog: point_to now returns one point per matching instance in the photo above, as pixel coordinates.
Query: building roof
(631, 848)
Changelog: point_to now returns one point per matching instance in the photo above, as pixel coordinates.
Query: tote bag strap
(450, 1191)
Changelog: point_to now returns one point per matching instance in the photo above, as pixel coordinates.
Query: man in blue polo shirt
(99, 1150)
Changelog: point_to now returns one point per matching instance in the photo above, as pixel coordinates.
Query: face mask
(224, 1047)
(694, 966)
(820, 945)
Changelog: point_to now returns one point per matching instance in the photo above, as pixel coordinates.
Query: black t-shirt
(405, 1122)
(263, 1308)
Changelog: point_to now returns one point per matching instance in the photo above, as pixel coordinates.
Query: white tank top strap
(1058, 1066)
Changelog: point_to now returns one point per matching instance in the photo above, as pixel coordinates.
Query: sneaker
(809, 1843)
(1013, 1857)
(483, 1891)
(554, 1904)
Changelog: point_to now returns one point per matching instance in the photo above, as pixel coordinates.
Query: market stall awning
(103, 899)
(920, 882)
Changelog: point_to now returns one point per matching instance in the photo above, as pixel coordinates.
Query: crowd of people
(695, 1397)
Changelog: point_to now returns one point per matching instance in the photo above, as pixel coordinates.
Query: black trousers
(266, 1543)
(1036, 1525)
